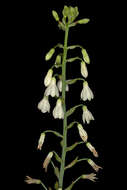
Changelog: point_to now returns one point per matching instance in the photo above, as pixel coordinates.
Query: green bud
(65, 11)
(55, 15)
(49, 54)
(83, 21)
(85, 56)
(58, 59)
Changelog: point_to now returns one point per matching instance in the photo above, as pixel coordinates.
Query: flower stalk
(64, 108)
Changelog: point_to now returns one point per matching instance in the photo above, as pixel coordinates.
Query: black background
(33, 31)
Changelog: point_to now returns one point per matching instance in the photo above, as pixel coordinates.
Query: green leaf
(71, 124)
(73, 146)
(72, 163)
(69, 187)
(54, 132)
(83, 21)
(56, 185)
(55, 15)
(71, 59)
(56, 172)
(57, 157)
(85, 56)
(49, 54)
(61, 143)
(71, 110)
(71, 81)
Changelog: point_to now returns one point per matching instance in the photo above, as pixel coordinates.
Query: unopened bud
(49, 54)
(41, 141)
(82, 133)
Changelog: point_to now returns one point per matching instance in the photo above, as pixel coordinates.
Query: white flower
(87, 115)
(52, 88)
(44, 105)
(47, 160)
(92, 149)
(41, 141)
(86, 92)
(94, 166)
(48, 77)
(58, 110)
(59, 85)
(84, 71)
(82, 133)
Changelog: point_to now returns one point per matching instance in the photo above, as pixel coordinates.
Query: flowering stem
(64, 108)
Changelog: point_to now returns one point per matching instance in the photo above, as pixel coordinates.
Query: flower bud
(83, 21)
(84, 71)
(47, 161)
(49, 54)
(82, 133)
(41, 141)
(48, 77)
(85, 56)
(92, 149)
(55, 15)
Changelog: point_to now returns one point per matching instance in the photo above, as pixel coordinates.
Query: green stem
(43, 186)
(64, 108)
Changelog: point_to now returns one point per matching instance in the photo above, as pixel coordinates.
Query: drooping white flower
(52, 89)
(59, 85)
(84, 70)
(47, 161)
(87, 115)
(82, 133)
(58, 110)
(94, 166)
(91, 176)
(86, 93)
(44, 105)
(48, 77)
(92, 149)
(41, 141)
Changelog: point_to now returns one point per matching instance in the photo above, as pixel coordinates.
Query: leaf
(55, 15)
(56, 172)
(85, 56)
(69, 187)
(71, 110)
(56, 185)
(71, 124)
(71, 59)
(49, 54)
(57, 157)
(71, 81)
(72, 146)
(72, 163)
(54, 132)
(61, 143)
(83, 21)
